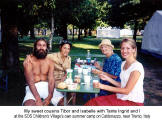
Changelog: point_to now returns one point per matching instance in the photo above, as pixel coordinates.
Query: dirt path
(152, 81)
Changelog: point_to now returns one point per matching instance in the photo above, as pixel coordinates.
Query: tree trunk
(32, 35)
(64, 32)
(135, 30)
(85, 32)
(38, 31)
(10, 51)
(73, 34)
(90, 34)
(79, 34)
(62, 29)
(52, 31)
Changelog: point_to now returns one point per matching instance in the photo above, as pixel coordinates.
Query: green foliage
(102, 12)
(85, 14)
(42, 25)
(122, 11)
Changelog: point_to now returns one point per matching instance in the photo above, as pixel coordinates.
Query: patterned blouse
(112, 65)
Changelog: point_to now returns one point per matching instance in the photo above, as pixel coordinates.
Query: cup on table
(95, 83)
(77, 79)
(87, 79)
(85, 71)
(79, 70)
(89, 69)
(75, 71)
(68, 81)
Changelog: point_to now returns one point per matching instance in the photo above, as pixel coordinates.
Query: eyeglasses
(65, 42)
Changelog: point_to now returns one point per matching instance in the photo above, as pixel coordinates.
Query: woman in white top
(130, 91)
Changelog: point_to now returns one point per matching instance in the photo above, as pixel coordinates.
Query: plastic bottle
(69, 73)
(88, 58)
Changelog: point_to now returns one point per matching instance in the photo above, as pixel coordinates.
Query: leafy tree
(133, 12)
(122, 11)
(102, 9)
(34, 12)
(85, 14)
(17, 15)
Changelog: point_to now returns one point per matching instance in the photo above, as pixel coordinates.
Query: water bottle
(69, 73)
(88, 58)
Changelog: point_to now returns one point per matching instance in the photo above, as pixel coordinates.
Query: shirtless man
(39, 77)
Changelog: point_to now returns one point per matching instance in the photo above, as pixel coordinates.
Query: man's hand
(47, 101)
(39, 103)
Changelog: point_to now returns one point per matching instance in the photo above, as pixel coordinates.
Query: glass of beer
(95, 83)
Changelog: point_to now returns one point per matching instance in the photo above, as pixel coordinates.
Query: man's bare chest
(40, 67)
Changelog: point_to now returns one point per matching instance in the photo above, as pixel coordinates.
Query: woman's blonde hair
(132, 43)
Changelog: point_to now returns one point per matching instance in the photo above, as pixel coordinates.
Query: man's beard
(40, 54)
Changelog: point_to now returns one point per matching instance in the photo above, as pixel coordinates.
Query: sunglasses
(65, 42)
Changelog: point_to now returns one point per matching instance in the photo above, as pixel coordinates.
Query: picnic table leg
(65, 98)
(74, 98)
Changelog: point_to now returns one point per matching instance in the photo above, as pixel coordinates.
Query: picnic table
(82, 87)
(92, 55)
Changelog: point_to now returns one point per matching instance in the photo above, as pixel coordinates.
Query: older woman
(130, 91)
(111, 66)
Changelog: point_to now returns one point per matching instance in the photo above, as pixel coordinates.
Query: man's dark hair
(41, 39)
(65, 42)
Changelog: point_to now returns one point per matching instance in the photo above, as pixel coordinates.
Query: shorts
(42, 88)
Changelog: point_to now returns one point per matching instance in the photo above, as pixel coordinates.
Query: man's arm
(30, 80)
(51, 82)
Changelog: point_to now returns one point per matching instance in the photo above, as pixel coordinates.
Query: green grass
(79, 47)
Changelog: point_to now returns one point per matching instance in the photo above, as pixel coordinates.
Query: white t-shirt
(137, 94)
